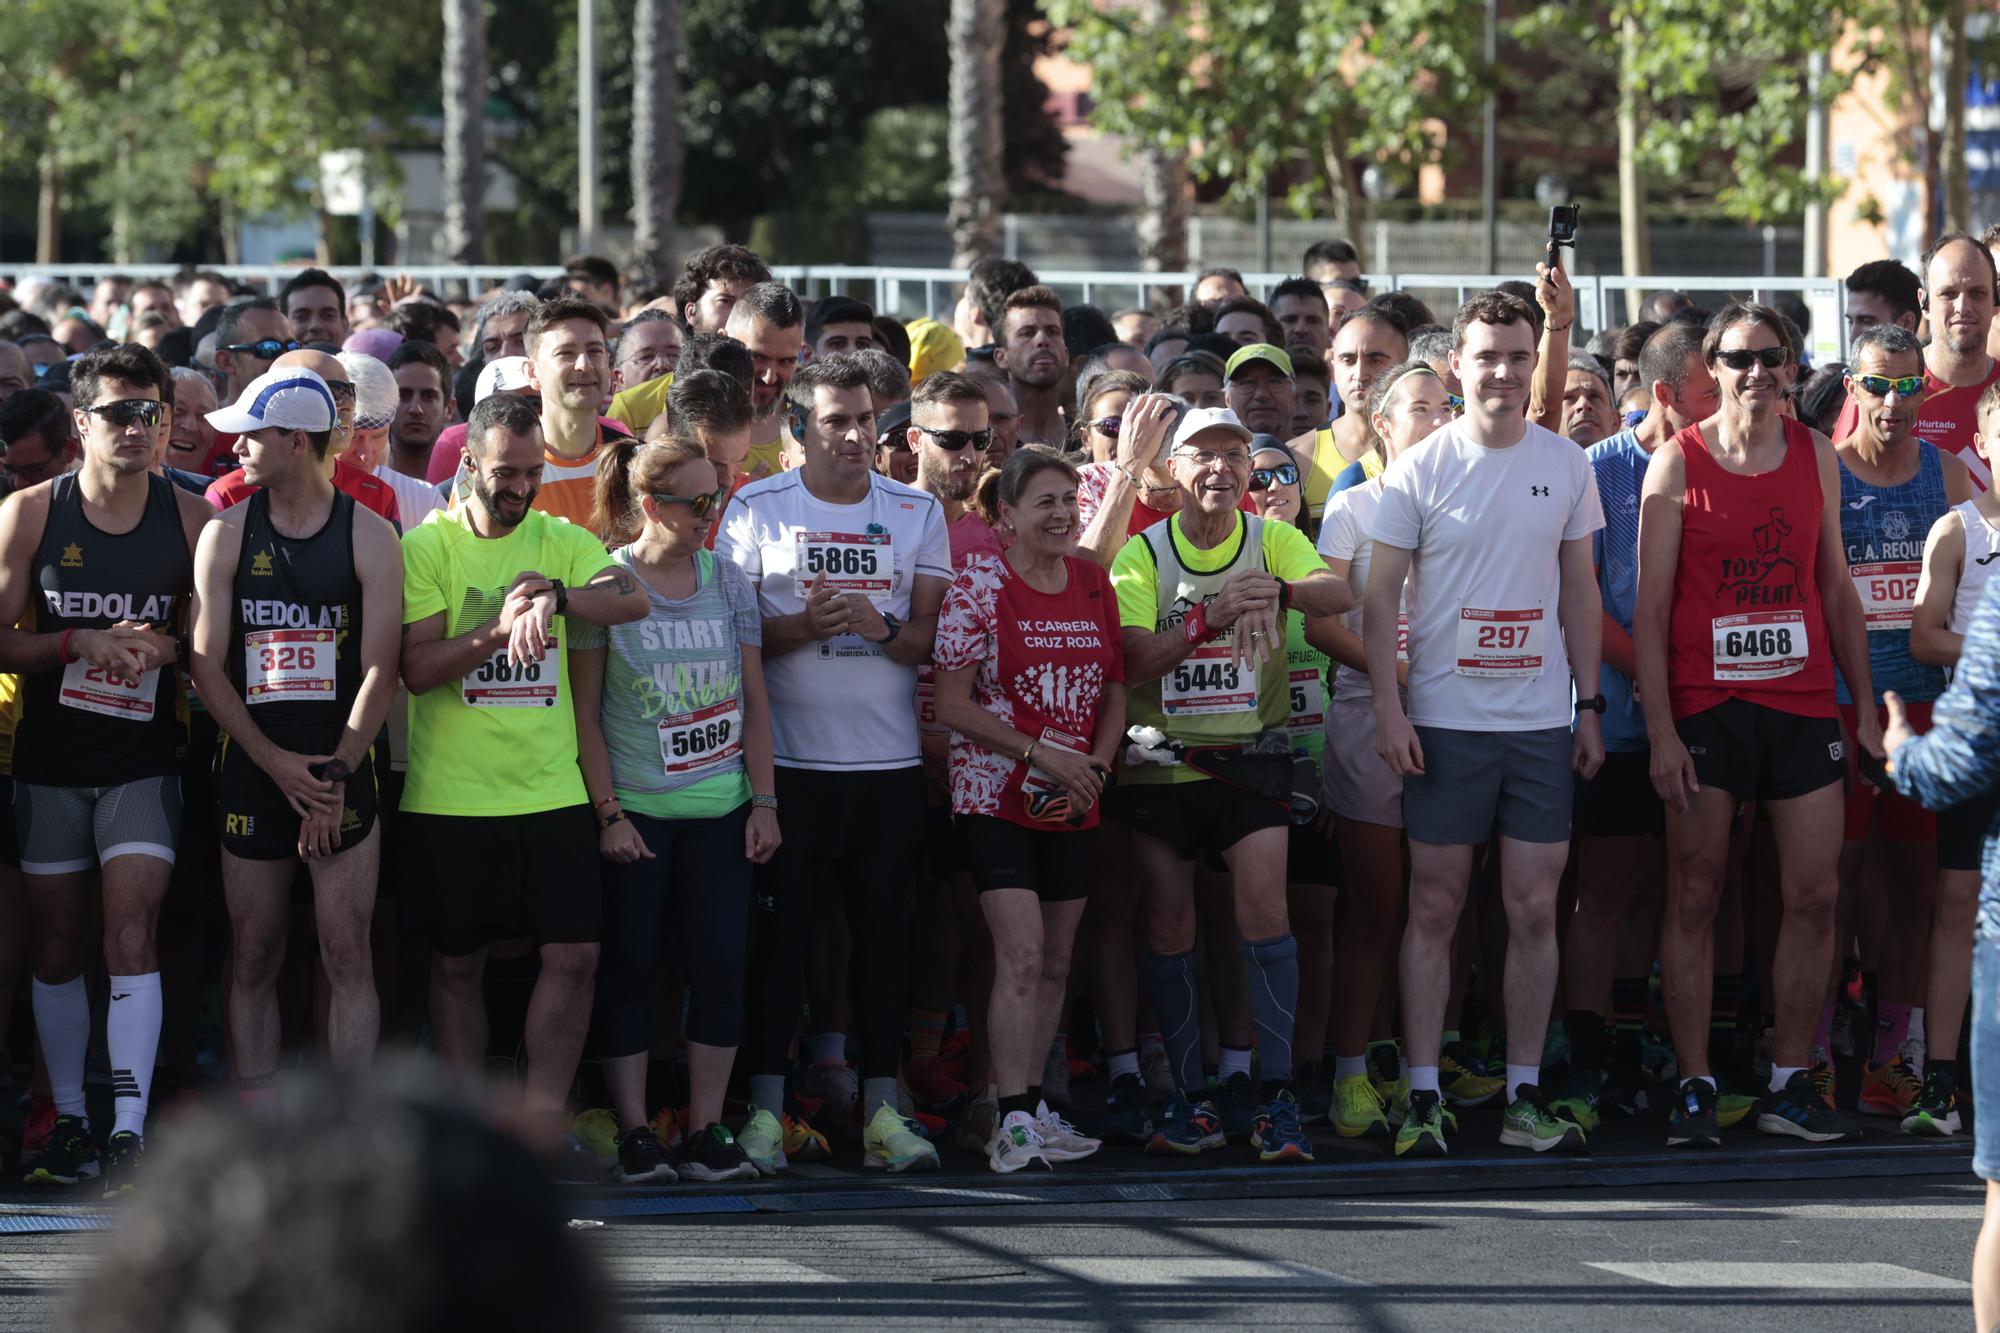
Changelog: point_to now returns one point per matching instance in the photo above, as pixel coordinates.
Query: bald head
(15, 372)
(329, 369)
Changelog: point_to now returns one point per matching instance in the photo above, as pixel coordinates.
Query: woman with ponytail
(674, 738)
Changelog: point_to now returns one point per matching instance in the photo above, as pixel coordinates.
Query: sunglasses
(265, 349)
(1742, 358)
(951, 441)
(342, 392)
(701, 506)
(1904, 386)
(1106, 426)
(1285, 474)
(1454, 402)
(148, 412)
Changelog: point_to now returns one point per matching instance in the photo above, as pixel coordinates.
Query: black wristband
(562, 595)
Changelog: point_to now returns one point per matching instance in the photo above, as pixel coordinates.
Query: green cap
(1243, 356)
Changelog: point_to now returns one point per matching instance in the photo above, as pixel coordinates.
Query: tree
(656, 133)
(464, 81)
(975, 32)
(1301, 91)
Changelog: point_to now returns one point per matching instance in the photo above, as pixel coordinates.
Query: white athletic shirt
(1344, 531)
(1487, 528)
(1981, 545)
(840, 704)
(415, 497)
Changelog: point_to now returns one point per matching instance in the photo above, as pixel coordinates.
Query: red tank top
(1746, 620)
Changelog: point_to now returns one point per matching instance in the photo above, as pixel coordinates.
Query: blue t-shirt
(1620, 464)
(1883, 530)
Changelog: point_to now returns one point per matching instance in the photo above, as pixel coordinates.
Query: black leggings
(865, 829)
(700, 864)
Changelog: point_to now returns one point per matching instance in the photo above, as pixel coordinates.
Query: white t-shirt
(415, 497)
(1487, 527)
(1344, 534)
(839, 704)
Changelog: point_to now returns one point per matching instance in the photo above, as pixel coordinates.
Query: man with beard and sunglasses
(500, 828)
(1960, 291)
(105, 555)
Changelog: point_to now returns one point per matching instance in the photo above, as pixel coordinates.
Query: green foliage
(1291, 89)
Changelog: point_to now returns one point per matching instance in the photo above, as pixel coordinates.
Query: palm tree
(975, 32)
(656, 133)
(464, 128)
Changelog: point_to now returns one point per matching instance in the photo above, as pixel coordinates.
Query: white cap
(507, 374)
(1197, 420)
(292, 398)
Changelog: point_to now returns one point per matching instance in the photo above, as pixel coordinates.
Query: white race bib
(1308, 701)
(1209, 682)
(1502, 644)
(95, 690)
(499, 683)
(1759, 645)
(1888, 593)
(851, 561)
(286, 665)
(692, 742)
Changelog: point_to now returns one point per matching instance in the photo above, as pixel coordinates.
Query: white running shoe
(1062, 1141)
(1017, 1141)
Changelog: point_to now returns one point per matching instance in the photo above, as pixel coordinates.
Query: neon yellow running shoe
(762, 1140)
(891, 1142)
(1357, 1109)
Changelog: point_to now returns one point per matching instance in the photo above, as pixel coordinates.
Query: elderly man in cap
(1259, 388)
(1202, 597)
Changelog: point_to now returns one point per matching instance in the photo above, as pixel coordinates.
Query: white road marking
(1769, 1277)
(683, 1270)
(1188, 1270)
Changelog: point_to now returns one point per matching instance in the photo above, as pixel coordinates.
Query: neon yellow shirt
(502, 741)
(638, 405)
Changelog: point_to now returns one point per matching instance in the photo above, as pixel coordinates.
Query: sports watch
(1594, 704)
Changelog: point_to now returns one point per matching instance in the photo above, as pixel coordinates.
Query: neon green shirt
(501, 741)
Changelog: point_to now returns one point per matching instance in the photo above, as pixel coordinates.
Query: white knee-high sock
(133, 1033)
(62, 1019)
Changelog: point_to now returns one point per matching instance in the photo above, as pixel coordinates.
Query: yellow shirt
(637, 406)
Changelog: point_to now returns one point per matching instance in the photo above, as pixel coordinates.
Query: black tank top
(79, 728)
(293, 647)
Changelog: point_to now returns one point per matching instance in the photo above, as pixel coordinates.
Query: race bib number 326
(286, 665)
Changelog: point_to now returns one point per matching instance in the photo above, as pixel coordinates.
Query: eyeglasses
(895, 441)
(342, 391)
(1903, 386)
(1454, 402)
(1742, 358)
(951, 441)
(701, 506)
(1209, 457)
(1285, 474)
(265, 349)
(148, 412)
(1106, 426)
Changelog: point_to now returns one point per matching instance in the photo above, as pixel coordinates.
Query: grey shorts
(64, 830)
(1473, 779)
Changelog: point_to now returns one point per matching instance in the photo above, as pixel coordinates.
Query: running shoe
(1914, 1050)
(980, 1122)
(668, 1125)
(1731, 1108)
(35, 1131)
(931, 1084)
(1801, 1112)
(892, 1143)
(1187, 1129)
(1278, 1136)
(597, 1130)
(1821, 1070)
(1237, 1100)
(1314, 1083)
(1125, 1119)
(1462, 1075)
(1357, 1109)
(643, 1158)
(713, 1154)
(1935, 1114)
(763, 1142)
(121, 1163)
(1422, 1132)
(69, 1155)
(1157, 1068)
(1062, 1141)
(802, 1142)
(1578, 1104)
(1691, 1121)
(1530, 1123)
(1891, 1088)
(1016, 1143)
(837, 1089)
(1055, 1072)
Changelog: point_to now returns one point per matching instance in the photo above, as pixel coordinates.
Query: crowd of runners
(834, 735)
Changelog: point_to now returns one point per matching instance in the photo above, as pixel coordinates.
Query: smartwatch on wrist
(895, 628)
(1594, 704)
(562, 595)
(333, 770)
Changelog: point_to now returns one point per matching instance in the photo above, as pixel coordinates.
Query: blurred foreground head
(382, 1203)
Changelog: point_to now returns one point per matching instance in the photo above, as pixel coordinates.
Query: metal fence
(1603, 300)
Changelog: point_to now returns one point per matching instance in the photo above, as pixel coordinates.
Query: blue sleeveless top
(1883, 529)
